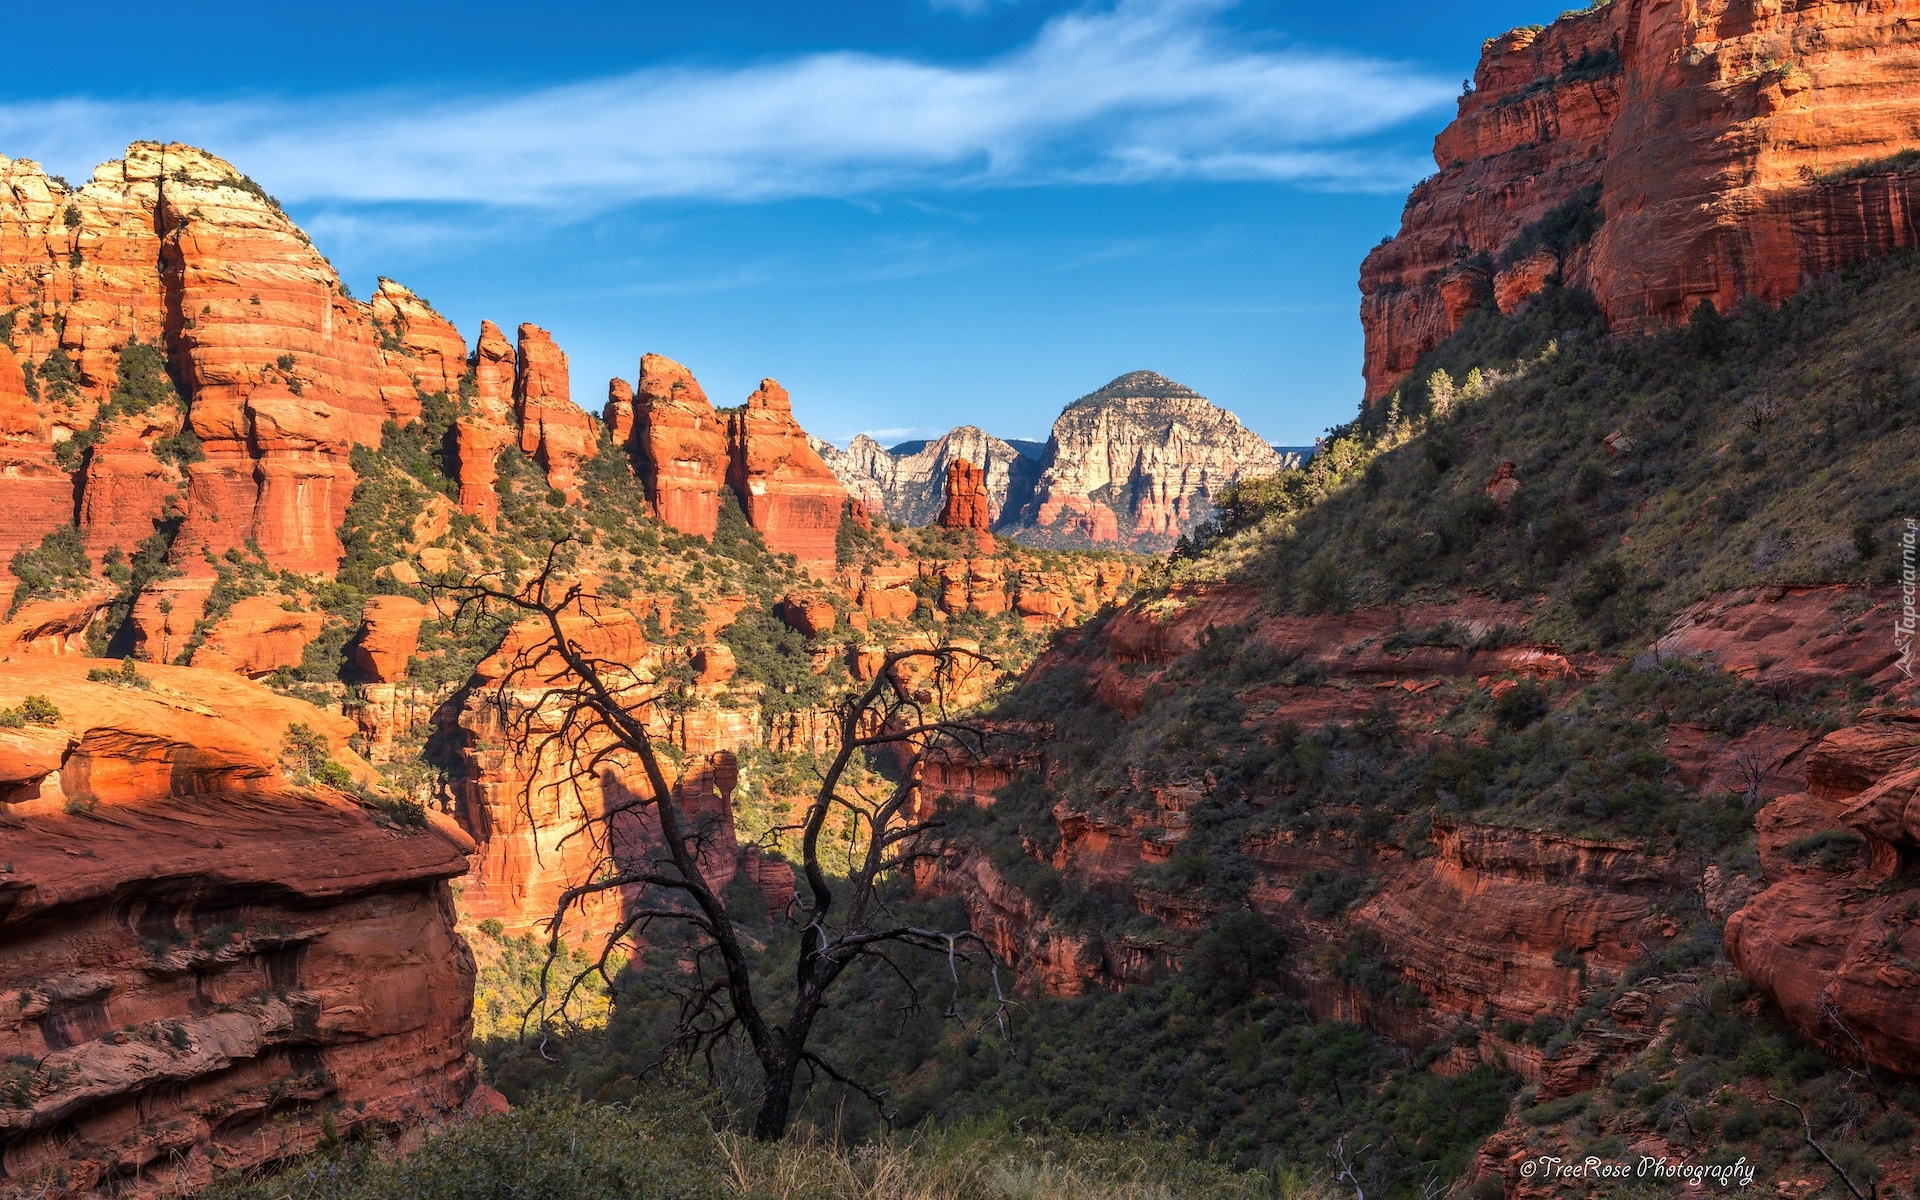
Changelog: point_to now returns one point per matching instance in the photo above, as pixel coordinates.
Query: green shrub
(57, 566)
(127, 675)
(1828, 850)
(34, 710)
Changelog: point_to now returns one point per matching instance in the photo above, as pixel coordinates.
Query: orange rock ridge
(282, 371)
(553, 432)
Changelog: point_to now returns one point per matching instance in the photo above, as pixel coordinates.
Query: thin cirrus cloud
(1144, 90)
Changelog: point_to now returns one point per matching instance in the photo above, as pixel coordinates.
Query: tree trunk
(770, 1125)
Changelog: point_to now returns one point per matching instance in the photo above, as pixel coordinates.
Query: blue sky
(914, 213)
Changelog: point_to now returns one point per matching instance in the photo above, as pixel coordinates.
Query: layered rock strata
(281, 371)
(1833, 938)
(789, 494)
(967, 505)
(906, 484)
(679, 446)
(189, 1002)
(1657, 155)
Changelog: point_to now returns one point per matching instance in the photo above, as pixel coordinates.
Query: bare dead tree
(582, 713)
(1349, 1167)
(1751, 769)
(1806, 1126)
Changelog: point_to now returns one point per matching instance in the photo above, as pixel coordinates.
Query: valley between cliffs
(1529, 772)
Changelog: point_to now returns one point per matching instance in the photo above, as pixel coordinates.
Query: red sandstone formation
(126, 490)
(812, 616)
(617, 416)
(189, 1004)
(389, 631)
(481, 433)
(53, 626)
(37, 493)
(1832, 938)
(679, 446)
(258, 636)
(1733, 152)
(276, 427)
(283, 372)
(967, 505)
(164, 615)
(1508, 924)
(521, 806)
(789, 494)
(553, 432)
(434, 355)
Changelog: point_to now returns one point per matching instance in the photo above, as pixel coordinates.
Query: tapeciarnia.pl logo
(1903, 628)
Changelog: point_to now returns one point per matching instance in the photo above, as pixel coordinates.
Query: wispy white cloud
(969, 8)
(1139, 90)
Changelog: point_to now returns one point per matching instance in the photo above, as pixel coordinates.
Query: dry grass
(989, 1163)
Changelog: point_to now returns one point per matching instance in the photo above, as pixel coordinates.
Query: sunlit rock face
(1670, 154)
(204, 961)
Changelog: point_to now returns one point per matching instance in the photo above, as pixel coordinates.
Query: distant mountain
(907, 483)
(1131, 465)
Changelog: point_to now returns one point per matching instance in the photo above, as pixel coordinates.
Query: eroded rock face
(679, 446)
(520, 806)
(191, 1003)
(1722, 151)
(967, 505)
(434, 353)
(282, 372)
(1832, 938)
(553, 431)
(789, 494)
(389, 632)
(480, 433)
(1510, 924)
(38, 494)
(258, 636)
(1138, 462)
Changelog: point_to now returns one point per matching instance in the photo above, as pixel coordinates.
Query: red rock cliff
(1729, 151)
(679, 446)
(557, 434)
(1833, 937)
(190, 1002)
(966, 505)
(789, 494)
(282, 372)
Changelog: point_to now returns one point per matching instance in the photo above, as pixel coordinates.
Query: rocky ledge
(204, 967)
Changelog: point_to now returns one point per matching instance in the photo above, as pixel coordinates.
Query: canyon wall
(1490, 926)
(1656, 153)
